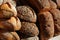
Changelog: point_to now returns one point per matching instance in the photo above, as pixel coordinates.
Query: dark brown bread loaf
(7, 10)
(46, 25)
(29, 29)
(56, 16)
(26, 13)
(11, 24)
(9, 36)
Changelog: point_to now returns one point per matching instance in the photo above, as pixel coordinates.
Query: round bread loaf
(9, 36)
(26, 13)
(11, 24)
(29, 29)
(7, 10)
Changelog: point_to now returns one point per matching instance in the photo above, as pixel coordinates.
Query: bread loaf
(29, 29)
(26, 13)
(46, 25)
(56, 17)
(11, 24)
(9, 36)
(7, 10)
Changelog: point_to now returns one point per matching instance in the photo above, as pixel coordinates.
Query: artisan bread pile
(9, 22)
(29, 19)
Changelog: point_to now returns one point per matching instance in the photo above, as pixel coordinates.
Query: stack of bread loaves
(48, 16)
(28, 27)
(9, 22)
(29, 19)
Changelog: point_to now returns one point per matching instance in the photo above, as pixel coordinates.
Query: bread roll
(29, 29)
(46, 25)
(26, 13)
(11, 24)
(9, 36)
(56, 17)
(7, 10)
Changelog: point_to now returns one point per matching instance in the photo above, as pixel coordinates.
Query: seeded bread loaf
(26, 13)
(29, 29)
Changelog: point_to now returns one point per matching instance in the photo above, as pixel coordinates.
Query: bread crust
(56, 17)
(29, 29)
(26, 13)
(9, 36)
(11, 24)
(7, 10)
(46, 25)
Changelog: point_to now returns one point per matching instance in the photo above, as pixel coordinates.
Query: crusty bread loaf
(7, 10)
(26, 13)
(56, 17)
(11, 24)
(29, 29)
(46, 25)
(9, 36)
